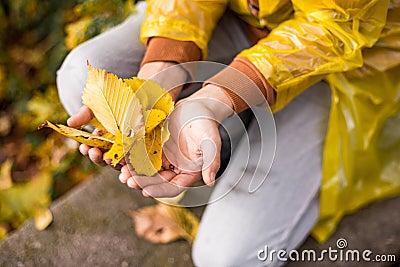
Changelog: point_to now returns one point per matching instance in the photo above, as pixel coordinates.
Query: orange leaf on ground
(163, 223)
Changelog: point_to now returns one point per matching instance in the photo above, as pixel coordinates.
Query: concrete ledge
(91, 228)
(376, 227)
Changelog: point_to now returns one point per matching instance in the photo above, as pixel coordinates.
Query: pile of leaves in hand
(130, 115)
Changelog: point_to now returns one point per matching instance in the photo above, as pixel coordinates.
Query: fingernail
(130, 182)
(211, 179)
(108, 161)
(121, 178)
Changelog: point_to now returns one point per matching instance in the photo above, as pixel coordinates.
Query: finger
(96, 156)
(125, 168)
(211, 150)
(132, 184)
(83, 116)
(176, 186)
(97, 132)
(124, 176)
(162, 177)
(84, 149)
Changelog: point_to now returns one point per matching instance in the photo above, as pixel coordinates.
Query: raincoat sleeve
(182, 22)
(323, 37)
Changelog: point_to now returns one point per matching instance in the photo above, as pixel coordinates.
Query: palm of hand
(192, 152)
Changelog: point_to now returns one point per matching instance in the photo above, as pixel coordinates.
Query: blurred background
(37, 167)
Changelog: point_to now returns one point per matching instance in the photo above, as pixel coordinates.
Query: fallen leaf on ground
(3, 231)
(163, 223)
(43, 218)
(5, 174)
(5, 124)
(20, 201)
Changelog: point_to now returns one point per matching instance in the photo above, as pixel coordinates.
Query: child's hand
(83, 117)
(193, 150)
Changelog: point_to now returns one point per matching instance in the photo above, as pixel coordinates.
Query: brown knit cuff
(165, 49)
(239, 86)
(255, 34)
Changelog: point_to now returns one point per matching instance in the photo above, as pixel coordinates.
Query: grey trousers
(233, 230)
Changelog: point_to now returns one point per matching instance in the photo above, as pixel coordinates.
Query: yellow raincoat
(355, 47)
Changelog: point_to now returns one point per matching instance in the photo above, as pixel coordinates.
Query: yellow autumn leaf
(20, 201)
(146, 154)
(158, 97)
(3, 231)
(80, 136)
(116, 153)
(5, 174)
(151, 95)
(153, 118)
(153, 142)
(43, 218)
(172, 200)
(133, 123)
(130, 114)
(135, 84)
(122, 142)
(165, 102)
(110, 98)
(163, 223)
(76, 32)
(101, 131)
(96, 124)
(120, 146)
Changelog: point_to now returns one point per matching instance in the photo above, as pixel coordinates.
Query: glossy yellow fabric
(323, 37)
(361, 160)
(183, 20)
(355, 47)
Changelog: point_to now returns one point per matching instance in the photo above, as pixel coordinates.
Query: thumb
(83, 116)
(211, 150)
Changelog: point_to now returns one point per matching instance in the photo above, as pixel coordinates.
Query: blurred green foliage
(35, 36)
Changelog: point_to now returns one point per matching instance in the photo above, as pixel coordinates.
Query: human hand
(193, 149)
(81, 118)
